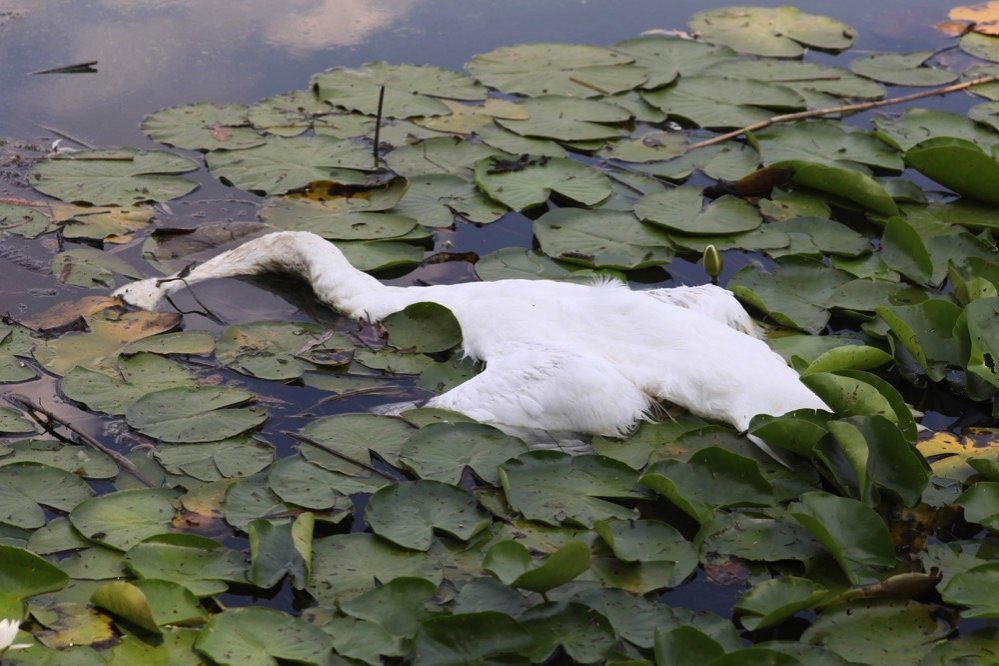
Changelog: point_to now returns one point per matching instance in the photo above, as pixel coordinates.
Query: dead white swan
(559, 356)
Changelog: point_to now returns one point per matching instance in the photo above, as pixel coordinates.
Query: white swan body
(559, 356)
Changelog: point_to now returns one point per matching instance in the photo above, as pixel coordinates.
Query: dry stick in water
(848, 108)
(50, 422)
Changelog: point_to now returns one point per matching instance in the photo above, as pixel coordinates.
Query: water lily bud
(712, 262)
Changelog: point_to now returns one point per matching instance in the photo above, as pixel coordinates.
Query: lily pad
(680, 209)
(601, 238)
(133, 377)
(198, 563)
(554, 487)
(212, 461)
(437, 200)
(258, 636)
(718, 103)
(568, 119)
(22, 575)
(825, 142)
(573, 70)
(124, 518)
(902, 69)
(25, 488)
(782, 32)
(410, 90)
(958, 164)
(443, 155)
(441, 451)
(121, 177)
(527, 182)
(407, 514)
(852, 532)
(199, 415)
(202, 127)
(284, 164)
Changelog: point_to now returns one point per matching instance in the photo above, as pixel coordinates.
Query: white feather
(559, 356)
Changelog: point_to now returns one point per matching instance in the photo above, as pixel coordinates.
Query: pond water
(155, 54)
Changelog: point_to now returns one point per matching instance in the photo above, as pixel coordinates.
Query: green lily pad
(526, 182)
(666, 57)
(511, 562)
(850, 184)
(149, 604)
(441, 451)
(133, 377)
(202, 127)
(554, 487)
(198, 563)
(649, 541)
(916, 125)
(355, 436)
(782, 32)
(212, 461)
(297, 481)
(410, 90)
(121, 177)
(851, 531)
(440, 155)
(79, 460)
(22, 575)
(794, 294)
(284, 164)
(584, 634)
(277, 549)
(756, 539)
(958, 164)
(26, 487)
(980, 319)
(825, 142)
(423, 327)
(89, 267)
(774, 600)
(268, 349)
(124, 518)
(259, 636)
(719, 103)
(408, 513)
(194, 415)
(902, 69)
(347, 565)
(882, 632)
(437, 200)
(290, 114)
(573, 70)
(470, 638)
(926, 331)
(680, 209)
(820, 85)
(711, 479)
(815, 236)
(601, 238)
(24, 220)
(568, 119)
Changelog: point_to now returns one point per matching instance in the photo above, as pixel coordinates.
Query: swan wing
(711, 301)
(542, 385)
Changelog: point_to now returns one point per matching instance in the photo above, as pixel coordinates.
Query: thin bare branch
(840, 110)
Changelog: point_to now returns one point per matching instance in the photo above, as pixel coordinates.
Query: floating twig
(342, 456)
(847, 108)
(89, 67)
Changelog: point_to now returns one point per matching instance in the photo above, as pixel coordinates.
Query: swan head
(143, 294)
